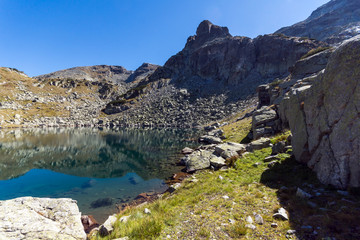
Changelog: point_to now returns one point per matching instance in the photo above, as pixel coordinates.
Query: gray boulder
(264, 122)
(258, 144)
(230, 149)
(210, 139)
(40, 218)
(198, 160)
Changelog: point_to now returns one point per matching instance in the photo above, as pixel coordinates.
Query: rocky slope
(333, 22)
(209, 79)
(30, 102)
(116, 74)
(320, 102)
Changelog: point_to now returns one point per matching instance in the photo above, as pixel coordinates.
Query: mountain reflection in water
(89, 164)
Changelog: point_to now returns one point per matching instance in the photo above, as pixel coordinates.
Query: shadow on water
(98, 168)
(327, 214)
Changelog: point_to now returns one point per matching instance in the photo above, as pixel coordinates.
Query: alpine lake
(97, 167)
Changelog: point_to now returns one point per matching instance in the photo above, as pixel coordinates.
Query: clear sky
(42, 36)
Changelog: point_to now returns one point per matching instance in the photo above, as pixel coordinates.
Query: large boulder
(198, 160)
(325, 119)
(40, 218)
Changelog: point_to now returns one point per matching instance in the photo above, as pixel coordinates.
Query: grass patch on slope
(237, 130)
(208, 206)
(203, 208)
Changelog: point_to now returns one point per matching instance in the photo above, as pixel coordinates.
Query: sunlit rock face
(324, 118)
(333, 22)
(40, 218)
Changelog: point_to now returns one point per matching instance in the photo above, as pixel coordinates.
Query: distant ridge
(333, 22)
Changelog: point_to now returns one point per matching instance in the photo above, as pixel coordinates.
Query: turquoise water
(98, 168)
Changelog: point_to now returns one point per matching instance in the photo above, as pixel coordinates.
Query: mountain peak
(205, 32)
(207, 29)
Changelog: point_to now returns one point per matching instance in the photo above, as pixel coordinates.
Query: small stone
(256, 164)
(225, 197)
(124, 219)
(274, 225)
(187, 150)
(307, 228)
(281, 214)
(251, 226)
(302, 194)
(272, 164)
(312, 204)
(271, 158)
(258, 219)
(107, 227)
(249, 219)
(291, 232)
(147, 211)
(220, 177)
(344, 193)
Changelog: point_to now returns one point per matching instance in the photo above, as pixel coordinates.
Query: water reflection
(99, 168)
(92, 152)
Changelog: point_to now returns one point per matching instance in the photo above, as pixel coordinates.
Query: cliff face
(214, 57)
(333, 22)
(320, 103)
(327, 130)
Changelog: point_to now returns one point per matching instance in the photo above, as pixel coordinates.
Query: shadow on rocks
(316, 211)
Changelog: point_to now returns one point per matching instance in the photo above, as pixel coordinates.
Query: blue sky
(42, 36)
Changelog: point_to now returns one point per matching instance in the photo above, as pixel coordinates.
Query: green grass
(280, 137)
(314, 51)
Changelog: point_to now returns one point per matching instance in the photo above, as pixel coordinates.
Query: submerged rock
(101, 202)
(40, 218)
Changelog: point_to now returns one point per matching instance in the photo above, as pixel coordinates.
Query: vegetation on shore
(215, 205)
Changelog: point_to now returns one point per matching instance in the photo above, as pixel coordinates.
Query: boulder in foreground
(40, 218)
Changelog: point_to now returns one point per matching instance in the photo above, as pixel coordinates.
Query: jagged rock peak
(205, 32)
(207, 29)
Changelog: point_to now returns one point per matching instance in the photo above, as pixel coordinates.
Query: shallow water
(98, 168)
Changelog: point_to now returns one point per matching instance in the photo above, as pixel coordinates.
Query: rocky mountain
(115, 74)
(333, 22)
(209, 79)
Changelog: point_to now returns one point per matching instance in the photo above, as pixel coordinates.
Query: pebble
(258, 219)
(147, 211)
(220, 177)
(302, 194)
(281, 214)
(291, 232)
(274, 225)
(251, 226)
(225, 197)
(249, 219)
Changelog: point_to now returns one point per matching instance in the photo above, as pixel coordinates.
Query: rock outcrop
(320, 104)
(40, 218)
(325, 119)
(333, 22)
